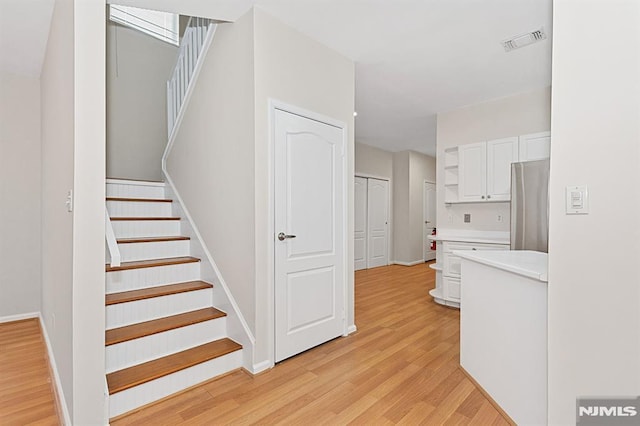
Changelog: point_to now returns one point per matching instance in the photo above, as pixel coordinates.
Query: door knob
(282, 236)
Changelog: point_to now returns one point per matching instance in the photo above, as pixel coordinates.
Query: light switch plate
(577, 199)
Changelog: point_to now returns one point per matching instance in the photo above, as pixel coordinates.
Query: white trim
(117, 181)
(352, 329)
(187, 96)
(56, 376)
(19, 317)
(274, 105)
(261, 366)
(415, 262)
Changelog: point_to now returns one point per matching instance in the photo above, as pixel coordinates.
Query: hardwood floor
(26, 395)
(400, 367)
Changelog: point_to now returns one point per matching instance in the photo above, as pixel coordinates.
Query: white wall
(373, 162)
(410, 170)
(73, 144)
(594, 279)
(138, 67)
(88, 217)
(212, 160)
(220, 160)
(292, 68)
(20, 192)
(401, 208)
(511, 116)
(57, 94)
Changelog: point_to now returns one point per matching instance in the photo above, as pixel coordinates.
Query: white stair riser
(145, 228)
(154, 250)
(122, 314)
(137, 351)
(137, 396)
(133, 279)
(138, 208)
(135, 191)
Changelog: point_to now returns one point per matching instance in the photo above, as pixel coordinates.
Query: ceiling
(414, 58)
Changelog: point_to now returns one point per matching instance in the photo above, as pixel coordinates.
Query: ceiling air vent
(524, 40)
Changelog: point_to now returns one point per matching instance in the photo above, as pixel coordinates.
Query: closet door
(378, 222)
(360, 239)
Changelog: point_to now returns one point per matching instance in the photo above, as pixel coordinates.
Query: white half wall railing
(191, 46)
(110, 236)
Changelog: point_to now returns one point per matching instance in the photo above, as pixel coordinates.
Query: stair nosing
(152, 239)
(158, 325)
(140, 264)
(142, 200)
(163, 290)
(231, 346)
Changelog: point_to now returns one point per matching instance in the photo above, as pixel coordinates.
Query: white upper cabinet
(500, 154)
(481, 172)
(485, 170)
(535, 146)
(472, 170)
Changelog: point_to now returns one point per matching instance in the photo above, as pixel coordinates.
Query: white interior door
(429, 213)
(310, 233)
(378, 222)
(360, 223)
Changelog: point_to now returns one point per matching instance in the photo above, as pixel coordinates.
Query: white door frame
(274, 105)
(424, 239)
(390, 226)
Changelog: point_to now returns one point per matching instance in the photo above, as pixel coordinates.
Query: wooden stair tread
(147, 328)
(151, 239)
(144, 200)
(139, 264)
(151, 292)
(122, 218)
(142, 373)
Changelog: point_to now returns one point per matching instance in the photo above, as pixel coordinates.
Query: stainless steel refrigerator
(530, 206)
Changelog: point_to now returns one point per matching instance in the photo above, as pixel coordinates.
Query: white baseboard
(261, 366)
(62, 408)
(351, 329)
(415, 262)
(19, 317)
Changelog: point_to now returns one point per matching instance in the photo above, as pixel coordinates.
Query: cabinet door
(472, 172)
(535, 146)
(500, 154)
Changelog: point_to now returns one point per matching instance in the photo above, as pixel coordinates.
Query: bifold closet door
(360, 224)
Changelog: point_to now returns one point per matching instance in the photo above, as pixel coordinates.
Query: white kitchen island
(503, 329)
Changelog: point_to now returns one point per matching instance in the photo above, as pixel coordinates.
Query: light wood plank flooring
(401, 367)
(26, 395)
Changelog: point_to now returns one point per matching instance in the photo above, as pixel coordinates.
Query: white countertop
(530, 264)
(487, 237)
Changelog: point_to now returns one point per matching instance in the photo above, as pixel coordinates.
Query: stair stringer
(237, 327)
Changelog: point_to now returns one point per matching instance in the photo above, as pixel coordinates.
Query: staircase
(163, 334)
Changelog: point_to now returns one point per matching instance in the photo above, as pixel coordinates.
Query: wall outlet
(467, 218)
(499, 218)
